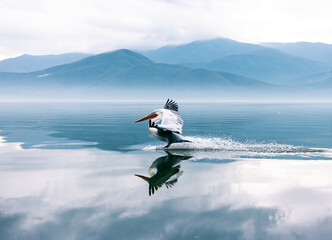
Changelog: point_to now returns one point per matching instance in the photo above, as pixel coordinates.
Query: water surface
(252, 171)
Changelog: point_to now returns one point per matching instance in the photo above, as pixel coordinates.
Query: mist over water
(86, 171)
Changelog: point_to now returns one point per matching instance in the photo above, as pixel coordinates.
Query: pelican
(164, 171)
(170, 128)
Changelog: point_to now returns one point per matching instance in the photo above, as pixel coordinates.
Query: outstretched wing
(171, 119)
(171, 105)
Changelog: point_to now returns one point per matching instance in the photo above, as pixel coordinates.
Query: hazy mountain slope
(30, 63)
(123, 71)
(96, 68)
(200, 51)
(322, 81)
(267, 65)
(315, 51)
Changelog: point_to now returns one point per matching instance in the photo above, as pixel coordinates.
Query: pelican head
(156, 115)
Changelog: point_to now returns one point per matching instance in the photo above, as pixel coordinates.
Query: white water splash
(227, 144)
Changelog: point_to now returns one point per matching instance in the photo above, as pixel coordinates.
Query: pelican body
(170, 128)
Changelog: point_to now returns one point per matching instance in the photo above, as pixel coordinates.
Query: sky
(93, 26)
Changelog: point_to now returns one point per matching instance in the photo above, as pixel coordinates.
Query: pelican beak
(152, 115)
(143, 177)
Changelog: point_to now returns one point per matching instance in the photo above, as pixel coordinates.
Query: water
(86, 171)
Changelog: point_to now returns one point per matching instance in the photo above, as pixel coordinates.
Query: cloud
(42, 27)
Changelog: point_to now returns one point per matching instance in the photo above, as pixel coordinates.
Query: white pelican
(170, 128)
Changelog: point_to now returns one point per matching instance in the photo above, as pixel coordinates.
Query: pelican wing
(171, 105)
(172, 121)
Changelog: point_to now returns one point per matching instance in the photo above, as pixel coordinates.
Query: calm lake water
(252, 171)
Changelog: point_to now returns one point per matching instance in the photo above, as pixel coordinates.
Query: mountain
(30, 63)
(321, 52)
(200, 51)
(320, 81)
(122, 73)
(266, 64)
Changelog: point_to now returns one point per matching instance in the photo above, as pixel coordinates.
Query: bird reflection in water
(164, 171)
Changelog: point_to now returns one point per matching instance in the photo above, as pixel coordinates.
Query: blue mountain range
(30, 63)
(216, 67)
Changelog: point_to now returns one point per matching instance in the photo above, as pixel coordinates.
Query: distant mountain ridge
(321, 52)
(126, 70)
(200, 51)
(320, 81)
(266, 64)
(125, 65)
(31, 63)
(229, 68)
(251, 60)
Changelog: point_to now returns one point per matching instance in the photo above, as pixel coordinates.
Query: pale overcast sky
(94, 26)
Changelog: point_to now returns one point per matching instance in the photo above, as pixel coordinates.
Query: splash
(227, 144)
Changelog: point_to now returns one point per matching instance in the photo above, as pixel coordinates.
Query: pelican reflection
(164, 171)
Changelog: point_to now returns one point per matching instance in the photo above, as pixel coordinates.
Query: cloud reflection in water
(93, 194)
